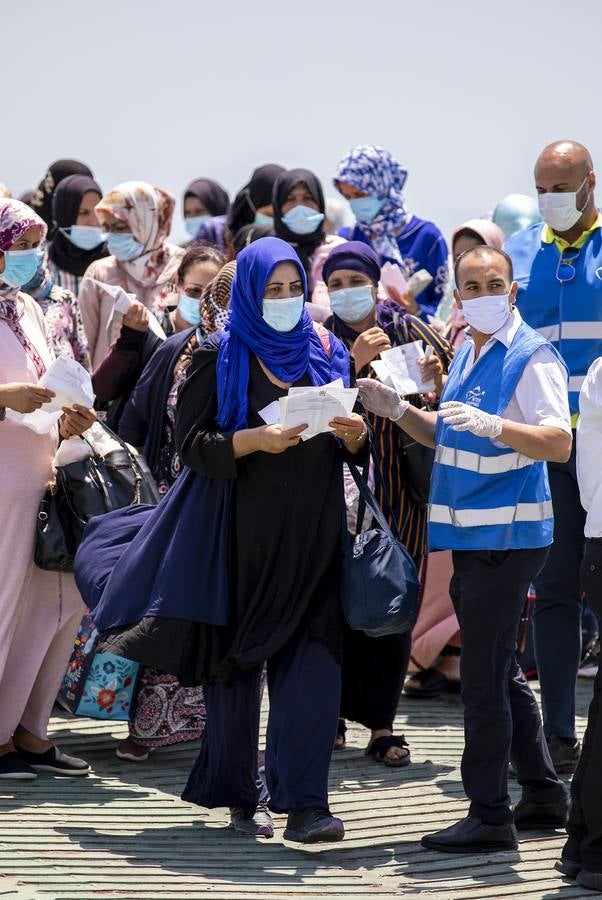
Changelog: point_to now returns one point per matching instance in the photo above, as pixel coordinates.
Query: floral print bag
(98, 685)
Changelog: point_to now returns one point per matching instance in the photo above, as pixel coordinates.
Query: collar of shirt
(548, 236)
(505, 335)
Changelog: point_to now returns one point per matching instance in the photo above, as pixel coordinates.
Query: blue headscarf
(288, 355)
(375, 172)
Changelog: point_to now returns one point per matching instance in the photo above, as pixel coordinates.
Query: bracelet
(361, 436)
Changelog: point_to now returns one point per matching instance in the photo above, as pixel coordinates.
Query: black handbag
(379, 580)
(84, 489)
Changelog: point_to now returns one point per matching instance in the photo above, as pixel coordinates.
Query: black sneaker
(565, 754)
(56, 762)
(256, 821)
(312, 826)
(12, 765)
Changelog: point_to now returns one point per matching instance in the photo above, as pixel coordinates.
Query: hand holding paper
(399, 368)
(69, 384)
(317, 407)
(122, 303)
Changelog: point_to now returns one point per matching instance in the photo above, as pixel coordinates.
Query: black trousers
(585, 820)
(558, 607)
(304, 683)
(501, 716)
(372, 677)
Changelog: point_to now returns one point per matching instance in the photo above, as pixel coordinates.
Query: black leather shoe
(470, 835)
(564, 756)
(591, 880)
(570, 868)
(252, 820)
(312, 826)
(541, 816)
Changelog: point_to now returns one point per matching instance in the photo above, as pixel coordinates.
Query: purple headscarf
(354, 255)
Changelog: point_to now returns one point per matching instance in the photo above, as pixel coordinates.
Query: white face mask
(559, 209)
(487, 314)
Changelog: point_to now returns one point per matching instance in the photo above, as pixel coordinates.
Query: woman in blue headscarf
(284, 554)
(373, 182)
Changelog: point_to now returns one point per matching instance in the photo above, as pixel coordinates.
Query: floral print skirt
(166, 713)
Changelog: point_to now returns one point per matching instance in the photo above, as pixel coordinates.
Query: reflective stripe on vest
(485, 465)
(572, 331)
(500, 515)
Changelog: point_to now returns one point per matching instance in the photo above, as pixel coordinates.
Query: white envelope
(316, 407)
(400, 366)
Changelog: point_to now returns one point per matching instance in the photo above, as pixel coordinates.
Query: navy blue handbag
(379, 581)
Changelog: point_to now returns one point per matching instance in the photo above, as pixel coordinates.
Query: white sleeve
(589, 441)
(542, 392)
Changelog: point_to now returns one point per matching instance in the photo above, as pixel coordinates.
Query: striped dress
(396, 500)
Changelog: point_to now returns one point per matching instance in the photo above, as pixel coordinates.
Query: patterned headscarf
(216, 298)
(15, 219)
(374, 171)
(147, 211)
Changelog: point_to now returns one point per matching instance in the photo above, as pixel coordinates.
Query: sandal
(378, 748)
(340, 742)
(432, 684)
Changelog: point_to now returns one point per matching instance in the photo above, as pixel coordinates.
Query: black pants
(558, 608)
(585, 821)
(304, 684)
(501, 716)
(372, 677)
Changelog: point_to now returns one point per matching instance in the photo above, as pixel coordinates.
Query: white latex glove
(380, 399)
(468, 418)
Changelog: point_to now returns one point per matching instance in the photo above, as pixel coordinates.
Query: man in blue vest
(504, 412)
(558, 267)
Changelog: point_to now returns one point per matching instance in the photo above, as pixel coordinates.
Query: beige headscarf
(147, 211)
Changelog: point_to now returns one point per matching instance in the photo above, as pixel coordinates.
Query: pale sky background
(464, 93)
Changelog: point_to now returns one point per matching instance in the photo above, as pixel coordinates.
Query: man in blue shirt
(558, 267)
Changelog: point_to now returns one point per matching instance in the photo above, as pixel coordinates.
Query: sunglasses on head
(565, 270)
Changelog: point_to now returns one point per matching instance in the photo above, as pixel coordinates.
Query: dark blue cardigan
(144, 415)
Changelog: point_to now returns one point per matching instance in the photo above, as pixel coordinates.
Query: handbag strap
(369, 501)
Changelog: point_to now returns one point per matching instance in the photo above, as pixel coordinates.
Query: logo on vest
(475, 396)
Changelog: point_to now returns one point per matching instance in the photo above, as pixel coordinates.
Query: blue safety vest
(485, 497)
(569, 314)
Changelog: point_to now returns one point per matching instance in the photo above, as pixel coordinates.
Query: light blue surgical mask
(193, 223)
(366, 208)
(352, 304)
(283, 315)
(189, 309)
(303, 219)
(20, 266)
(86, 237)
(124, 246)
(262, 219)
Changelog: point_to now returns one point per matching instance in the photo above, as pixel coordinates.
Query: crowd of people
(488, 475)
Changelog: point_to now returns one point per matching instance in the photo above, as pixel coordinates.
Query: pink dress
(39, 611)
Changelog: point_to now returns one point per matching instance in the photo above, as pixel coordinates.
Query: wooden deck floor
(124, 832)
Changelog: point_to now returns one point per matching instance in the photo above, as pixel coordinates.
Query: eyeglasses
(565, 270)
